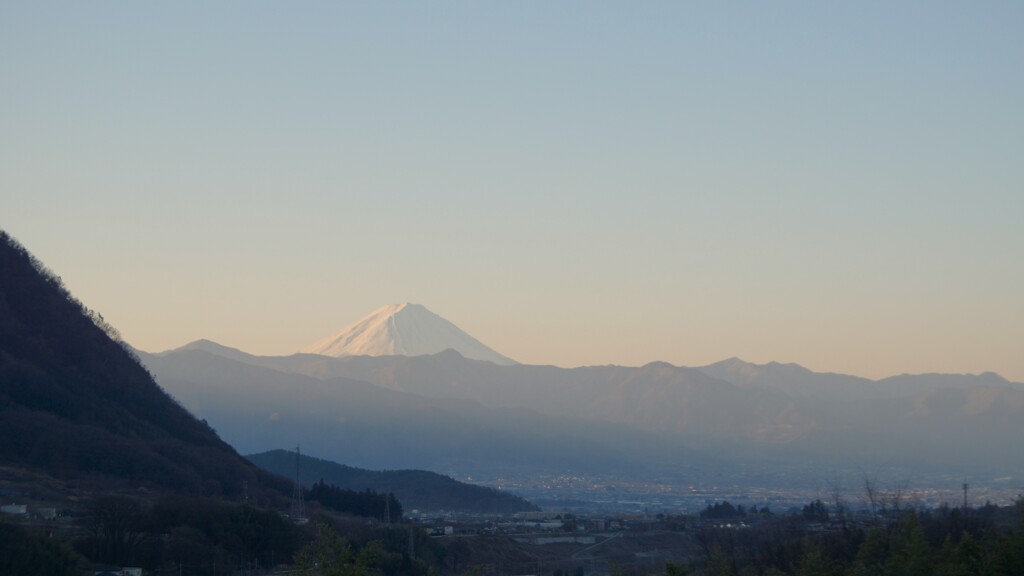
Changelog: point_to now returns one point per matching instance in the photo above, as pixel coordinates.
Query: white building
(14, 509)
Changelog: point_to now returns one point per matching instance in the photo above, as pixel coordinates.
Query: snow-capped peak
(403, 330)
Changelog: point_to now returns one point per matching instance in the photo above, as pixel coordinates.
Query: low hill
(415, 489)
(75, 404)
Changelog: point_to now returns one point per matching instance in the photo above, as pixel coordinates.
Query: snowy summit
(403, 330)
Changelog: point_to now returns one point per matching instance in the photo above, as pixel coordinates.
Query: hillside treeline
(987, 541)
(204, 537)
(197, 534)
(30, 553)
(368, 504)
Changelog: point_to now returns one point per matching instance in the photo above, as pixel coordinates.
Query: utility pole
(298, 503)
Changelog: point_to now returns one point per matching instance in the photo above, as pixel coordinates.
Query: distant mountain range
(258, 405)
(445, 412)
(403, 330)
(415, 489)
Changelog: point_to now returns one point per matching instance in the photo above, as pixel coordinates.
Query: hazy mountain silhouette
(75, 404)
(657, 397)
(793, 380)
(415, 489)
(797, 381)
(744, 412)
(361, 424)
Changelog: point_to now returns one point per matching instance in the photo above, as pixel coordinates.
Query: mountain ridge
(767, 412)
(258, 407)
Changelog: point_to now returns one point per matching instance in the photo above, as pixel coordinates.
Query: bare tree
(836, 492)
(871, 492)
(114, 522)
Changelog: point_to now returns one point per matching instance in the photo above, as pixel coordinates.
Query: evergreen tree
(813, 563)
(675, 569)
(25, 553)
(872, 555)
(911, 556)
(720, 564)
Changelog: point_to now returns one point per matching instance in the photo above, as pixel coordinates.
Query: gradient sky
(837, 185)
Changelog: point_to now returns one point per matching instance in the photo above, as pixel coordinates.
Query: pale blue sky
(840, 186)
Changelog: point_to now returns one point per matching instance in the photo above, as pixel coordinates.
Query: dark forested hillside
(415, 489)
(368, 503)
(75, 403)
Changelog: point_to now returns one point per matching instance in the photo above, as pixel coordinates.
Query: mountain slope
(75, 404)
(415, 489)
(403, 330)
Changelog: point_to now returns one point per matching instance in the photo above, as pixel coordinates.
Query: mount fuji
(403, 330)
